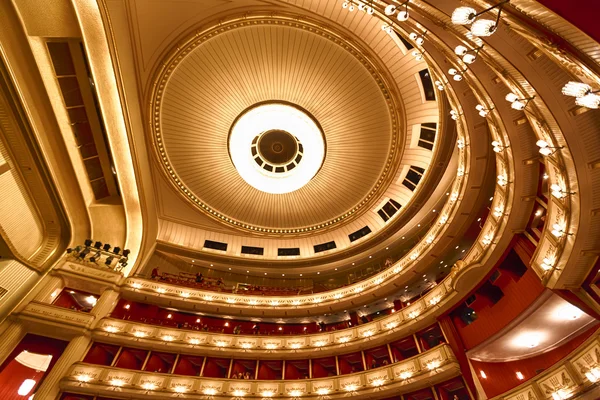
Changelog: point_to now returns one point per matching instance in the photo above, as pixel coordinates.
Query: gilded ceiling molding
(379, 75)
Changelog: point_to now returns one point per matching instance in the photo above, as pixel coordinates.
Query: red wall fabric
(492, 318)
(502, 377)
(34, 344)
(581, 13)
(13, 376)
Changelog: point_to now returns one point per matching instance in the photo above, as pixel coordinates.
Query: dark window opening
(209, 244)
(359, 233)
(427, 84)
(293, 251)
(324, 246)
(257, 251)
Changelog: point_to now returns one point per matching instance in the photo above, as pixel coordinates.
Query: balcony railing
(53, 314)
(294, 343)
(433, 366)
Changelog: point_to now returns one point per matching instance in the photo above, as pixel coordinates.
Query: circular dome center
(277, 146)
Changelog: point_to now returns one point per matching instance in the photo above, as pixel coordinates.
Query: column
(104, 305)
(50, 286)
(11, 332)
(74, 352)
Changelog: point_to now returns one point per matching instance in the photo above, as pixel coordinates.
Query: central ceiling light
(276, 147)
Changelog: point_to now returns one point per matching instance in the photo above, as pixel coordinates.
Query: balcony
(379, 331)
(573, 376)
(57, 316)
(433, 366)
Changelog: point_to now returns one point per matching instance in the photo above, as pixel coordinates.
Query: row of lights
(183, 388)
(271, 346)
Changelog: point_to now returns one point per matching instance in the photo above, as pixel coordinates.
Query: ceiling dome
(210, 82)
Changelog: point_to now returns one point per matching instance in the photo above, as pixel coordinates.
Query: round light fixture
(276, 147)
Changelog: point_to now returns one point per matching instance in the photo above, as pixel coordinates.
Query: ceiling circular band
(254, 60)
(277, 148)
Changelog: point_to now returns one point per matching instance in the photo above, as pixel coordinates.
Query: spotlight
(83, 254)
(98, 245)
(116, 250)
(126, 253)
(88, 242)
(106, 247)
(109, 260)
(95, 257)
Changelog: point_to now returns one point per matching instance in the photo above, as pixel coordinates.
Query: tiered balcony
(433, 366)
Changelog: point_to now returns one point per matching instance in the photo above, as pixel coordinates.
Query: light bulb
(460, 50)
(413, 36)
(541, 143)
(483, 27)
(457, 78)
(345, 4)
(463, 16)
(511, 97)
(479, 107)
(370, 10)
(351, 7)
(402, 16)
(517, 105)
(26, 387)
(361, 7)
(483, 113)
(469, 58)
(390, 9)
(589, 101)
(576, 89)
(420, 40)
(452, 71)
(545, 151)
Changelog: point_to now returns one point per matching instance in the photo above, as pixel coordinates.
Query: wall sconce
(387, 28)
(546, 149)
(349, 5)
(402, 13)
(558, 192)
(487, 239)
(593, 375)
(456, 74)
(498, 147)
(502, 180)
(468, 55)
(417, 55)
(482, 27)
(454, 114)
(498, 211)
(547, 263)
(583, 93)
(558, 230)
(520, 376)
(483, 111)
(516, 102)
(418, 39)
